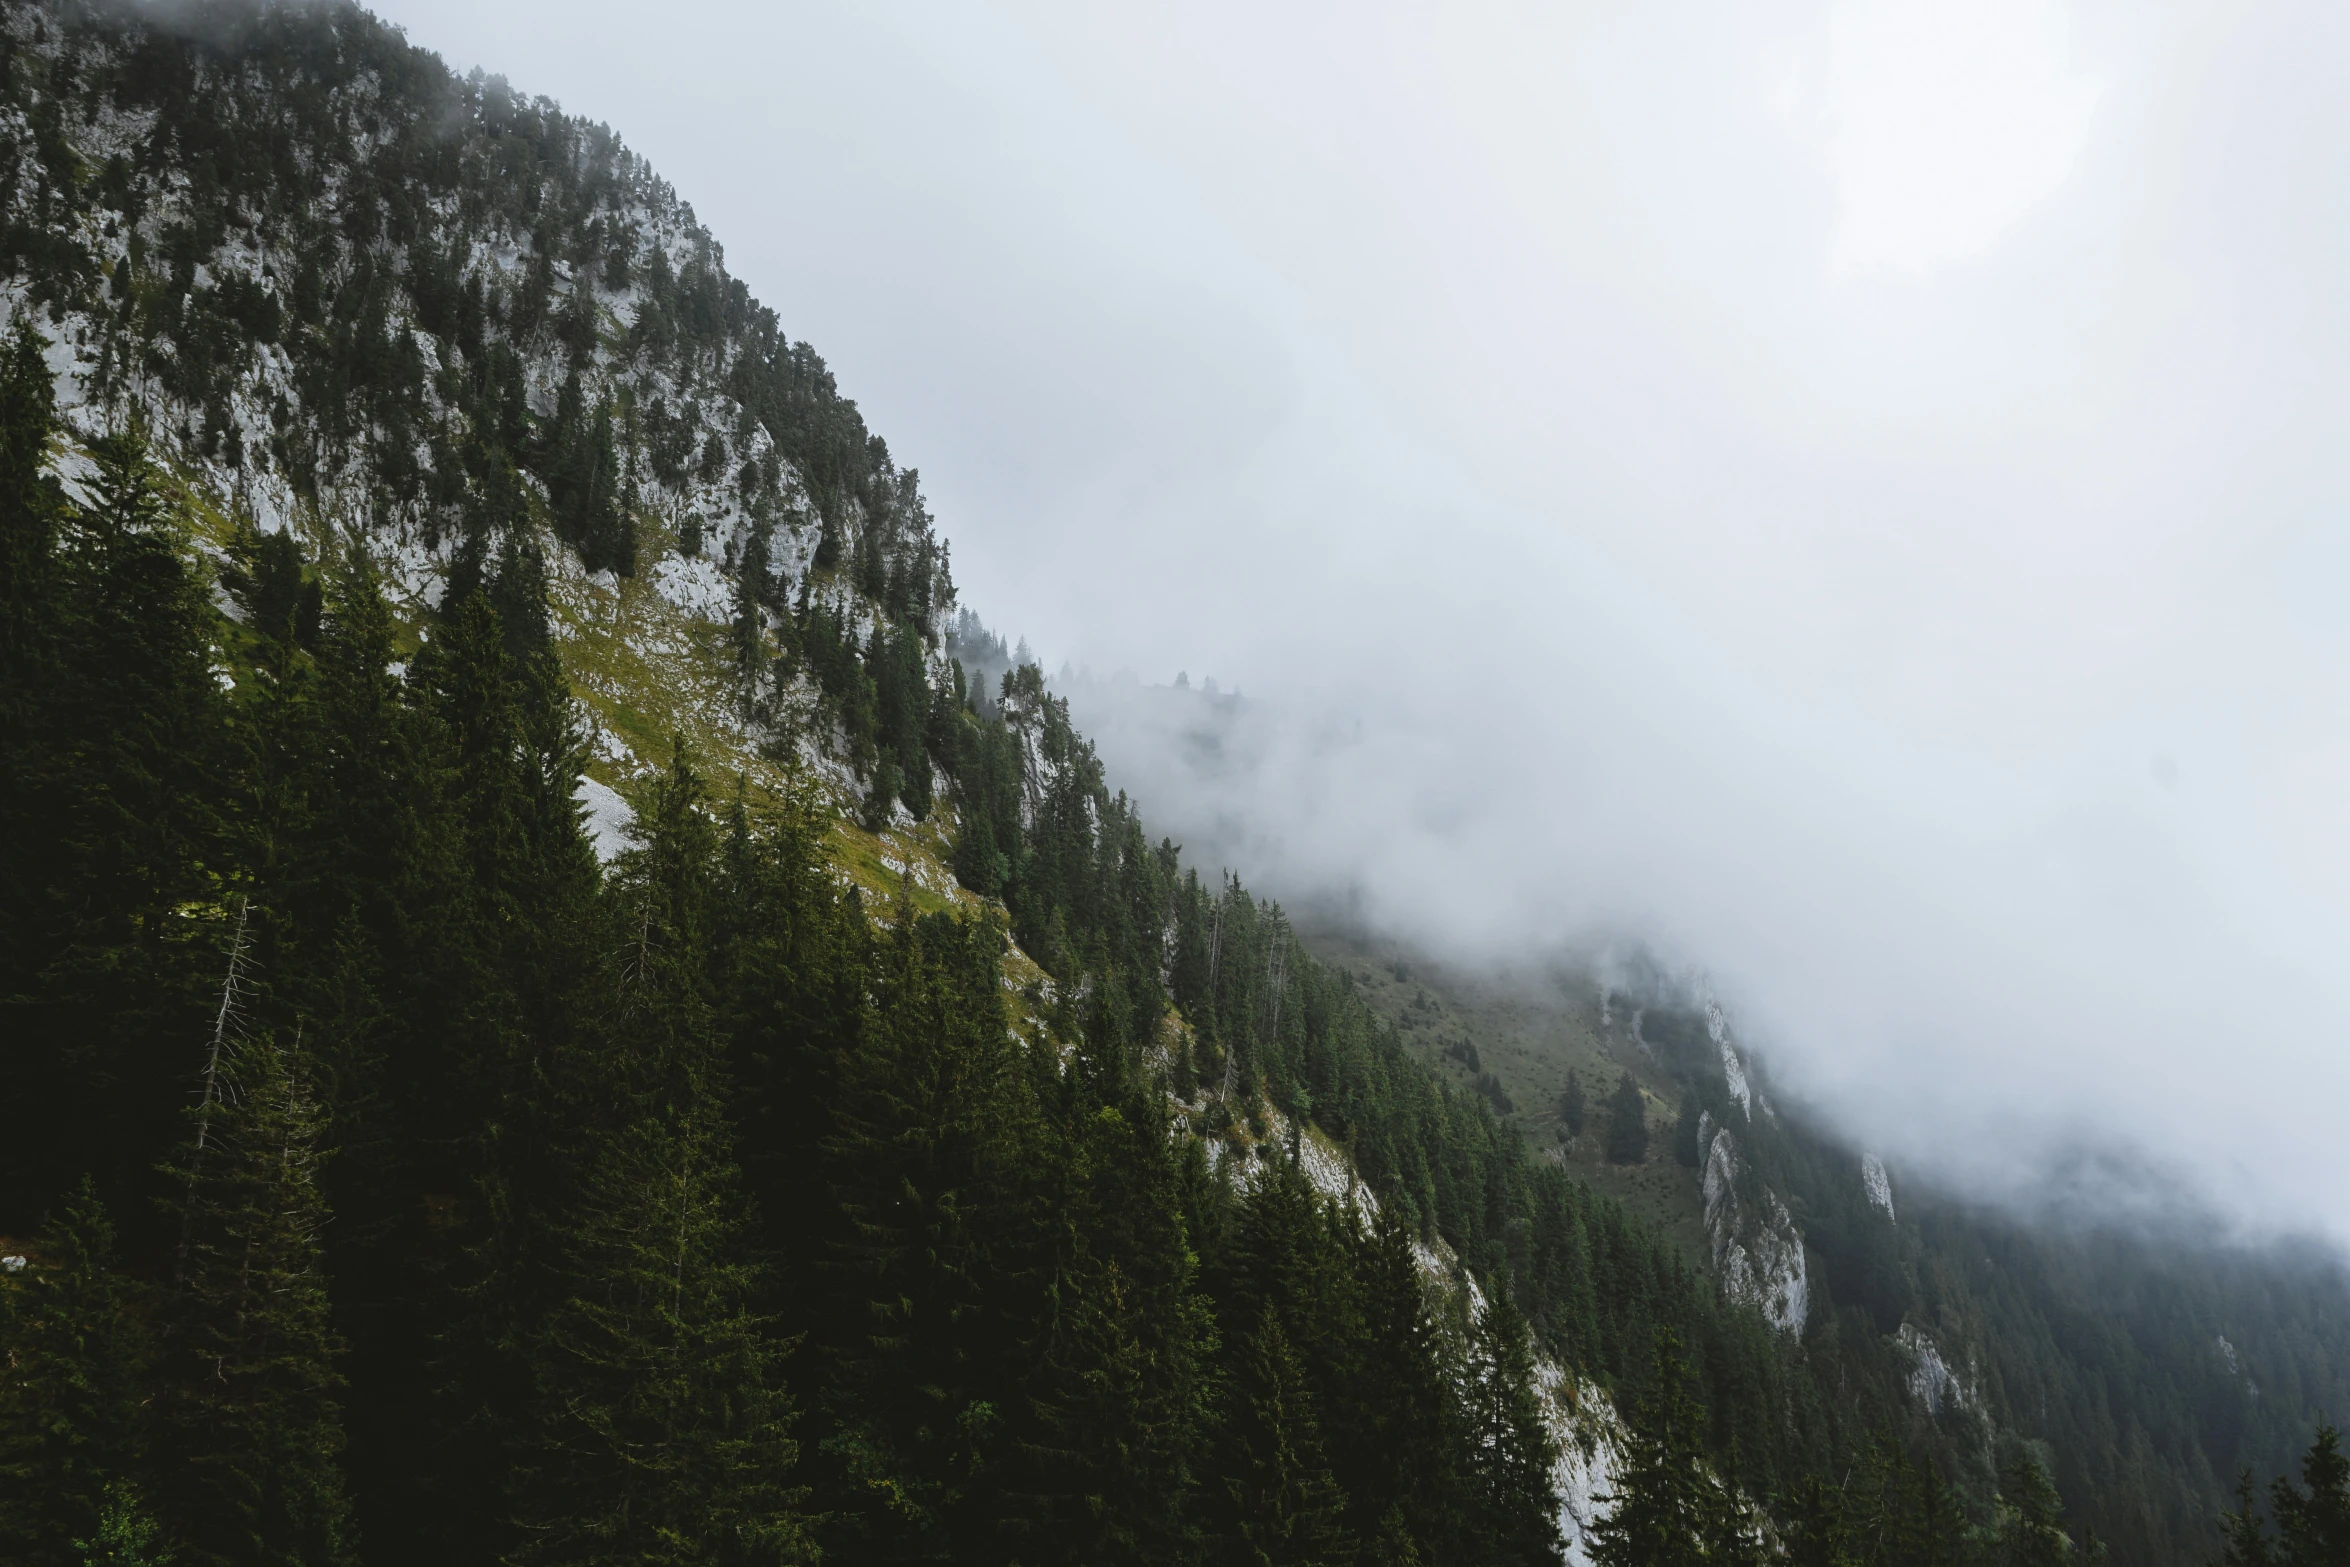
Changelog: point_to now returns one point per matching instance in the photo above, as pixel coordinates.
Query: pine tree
(791, 954)
(1120, 1390)
(248, 1426)
(1685, 1149)
(480, 1125)
(1513, 1515)
(1814, 1531)
(30, 512)
(1571, 1106)
(2032, 1526)
(661, 1427)
(661, 1431)
(933, 1258)
(584, 482)
(1281, 1506)
(2313, 1519)
(2244, 1533)
(1394, 1441)
(1627, 1123)
(75, 1351)
(1664, 1495)
(122, 846)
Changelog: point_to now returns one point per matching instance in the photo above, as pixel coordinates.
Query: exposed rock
(1876, 1183)
(608, 818)
(1757, 1250)
(1589, 1435)
(1931, 1381)
(1717, 1026)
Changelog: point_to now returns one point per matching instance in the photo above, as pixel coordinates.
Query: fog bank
(1848, 495)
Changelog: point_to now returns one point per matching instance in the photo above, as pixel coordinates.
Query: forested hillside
(553, 1018)
(2152, 1355)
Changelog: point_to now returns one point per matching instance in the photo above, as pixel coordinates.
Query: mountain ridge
(358, 301)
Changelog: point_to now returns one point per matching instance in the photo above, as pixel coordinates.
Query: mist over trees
(405, 1183)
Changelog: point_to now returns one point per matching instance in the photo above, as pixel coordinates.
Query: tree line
(406, 1186)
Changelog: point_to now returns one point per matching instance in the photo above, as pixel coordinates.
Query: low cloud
(1933, 635)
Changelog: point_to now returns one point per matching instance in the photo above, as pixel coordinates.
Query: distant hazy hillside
(2154, 1361)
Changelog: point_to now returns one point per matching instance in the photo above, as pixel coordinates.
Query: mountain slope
(478, 477)
(2153, 1360)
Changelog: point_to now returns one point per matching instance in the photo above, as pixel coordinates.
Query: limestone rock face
(1757, 1250)
(1876, 1183)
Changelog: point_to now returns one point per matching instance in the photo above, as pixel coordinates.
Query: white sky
(1851, 493)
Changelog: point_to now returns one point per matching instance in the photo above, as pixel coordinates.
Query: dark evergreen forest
(398, 1181)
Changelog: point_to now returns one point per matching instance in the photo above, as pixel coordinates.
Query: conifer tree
(584, 481)
(505, 1084)
(388, 970)
(1940, 1536)
(935, 1273)
(2244, 1536)
(248, 1424)
(1664, 1496)
(1120, 1389)
(74, 1356)
(29, 508)
(1571, 1106)
(2031, 1530)
(1281, 1506)
(1394, 1438)
(1627, 1123)
(1512, 1513)
(30, 801)
(1119, 1409)
(2313, 1518)
(661, 1428)
(1814, 1532)
(115, 969)
(790, 958)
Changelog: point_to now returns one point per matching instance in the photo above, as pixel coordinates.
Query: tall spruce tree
(1120, 1389)
(660, 1429)
(2031, 1530)
(1665, 1498)
(507, 1082)
(1813, 1528)
(2244, 1536)
(1280, 1504)
(1394, 1435)
(32, 648)
(74, 1357)
(1571, 1104)
(2313, 1518)
(31, 509)
(390, 979)
(248, 1422)
(1627, 1123)
(791, 953)
(123, 844)
(1512, 1515)
(934, 1256)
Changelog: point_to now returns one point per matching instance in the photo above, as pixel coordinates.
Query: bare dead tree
(230, 1014)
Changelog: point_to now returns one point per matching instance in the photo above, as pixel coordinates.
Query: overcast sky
(1852, 494)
